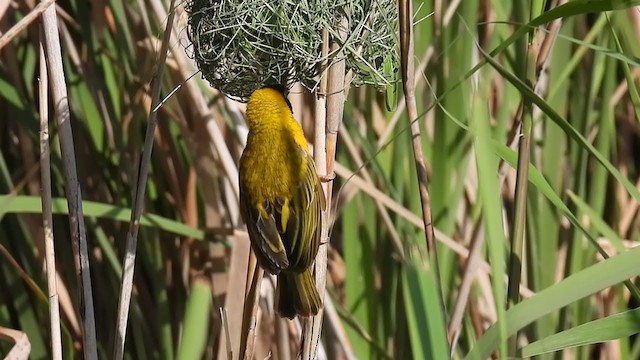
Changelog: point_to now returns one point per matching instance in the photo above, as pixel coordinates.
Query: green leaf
(491, 203)
(10, 94)
(575, 287)
(196, 321)
(424, 315)
(613, 327)
(33, 205)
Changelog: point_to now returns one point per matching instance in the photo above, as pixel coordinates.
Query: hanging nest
(242, 45)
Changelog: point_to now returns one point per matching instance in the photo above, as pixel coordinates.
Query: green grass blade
(575, 287)
(491, 202)
(424, 316)
(613, 327)
(196, 321)
(33, 205)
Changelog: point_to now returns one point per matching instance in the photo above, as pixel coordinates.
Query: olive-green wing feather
(263, 233)
(302, 236)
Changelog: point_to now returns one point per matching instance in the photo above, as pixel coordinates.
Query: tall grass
(490, 75)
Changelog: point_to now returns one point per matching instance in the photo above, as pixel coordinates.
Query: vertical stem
(325, 154)
(519, 221)
(226, 335)
(320, 140)
(74, 195)
(407, 55)
(528, 56)
(408, 80)
(249, 315)
(47, 216)
(282, 337)
(310, 343)
(335, 101)
(126, 286)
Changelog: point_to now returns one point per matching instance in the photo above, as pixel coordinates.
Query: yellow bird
(281, 199)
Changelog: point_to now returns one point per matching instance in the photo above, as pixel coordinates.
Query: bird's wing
(302, 235)
(263, 232)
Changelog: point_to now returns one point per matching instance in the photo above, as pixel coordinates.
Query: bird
(281, 200)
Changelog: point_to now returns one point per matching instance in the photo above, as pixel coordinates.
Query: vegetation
(529, 119)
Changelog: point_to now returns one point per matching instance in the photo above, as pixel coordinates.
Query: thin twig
(408, 80)
(24, 22)
(250, 317)
(225, 334)
(31, 284)
(409, 85)
(47, 214)
(134, 225)
(235, 297)
(74, 194)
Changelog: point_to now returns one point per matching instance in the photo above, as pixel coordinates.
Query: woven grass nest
(242, 45)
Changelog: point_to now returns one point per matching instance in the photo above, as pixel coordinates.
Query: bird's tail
(297, 294)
